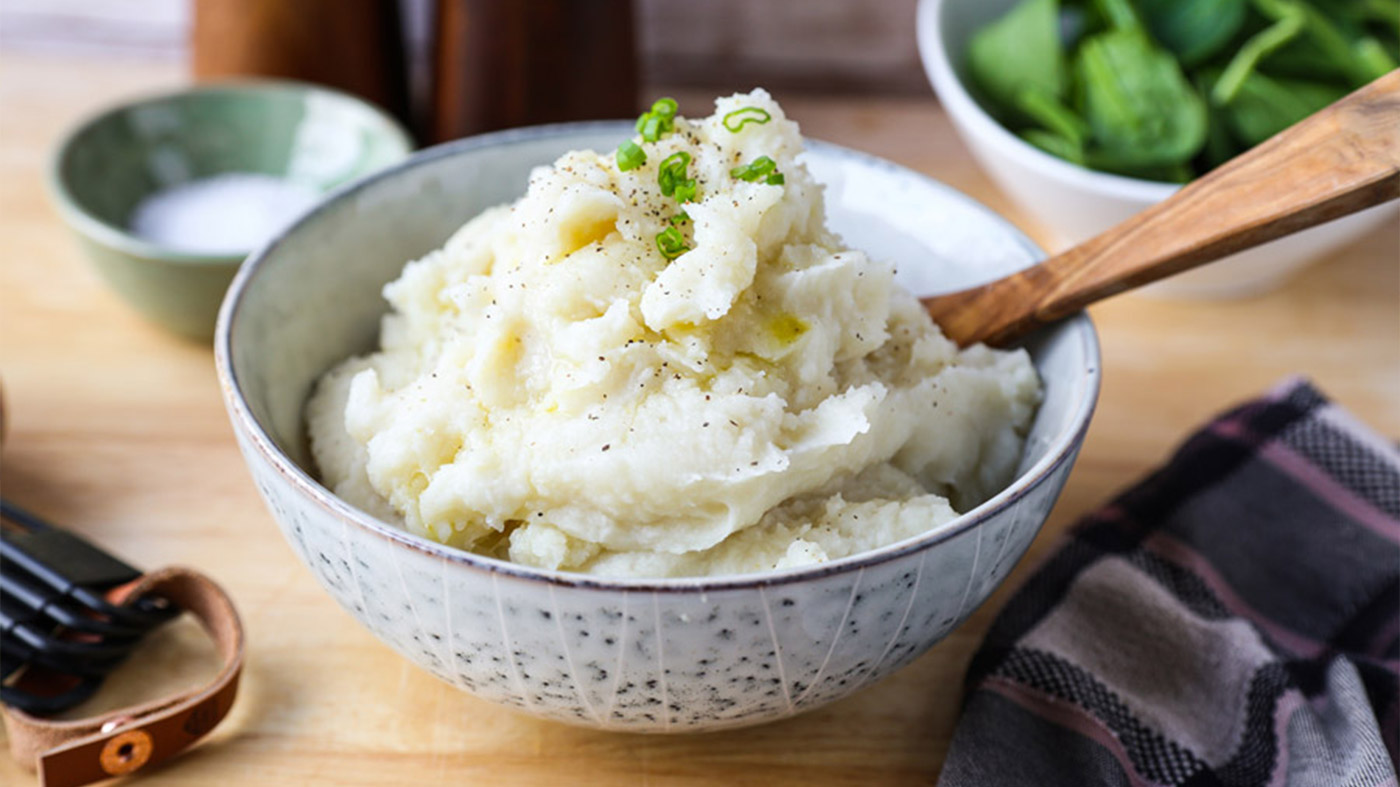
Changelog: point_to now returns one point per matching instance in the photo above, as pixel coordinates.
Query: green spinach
(1265, 105)
(1017, 56)
(1138, 104)
(1194, 30)
(1168, 89)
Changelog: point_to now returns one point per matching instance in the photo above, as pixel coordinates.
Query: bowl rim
(959, 103)
(119, 238)
(1062, 447)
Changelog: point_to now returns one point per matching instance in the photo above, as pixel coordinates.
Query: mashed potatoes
(602, 378)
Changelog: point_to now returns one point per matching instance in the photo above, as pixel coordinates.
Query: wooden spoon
(1338, 161)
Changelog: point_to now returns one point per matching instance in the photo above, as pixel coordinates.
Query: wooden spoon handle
(1338, 161)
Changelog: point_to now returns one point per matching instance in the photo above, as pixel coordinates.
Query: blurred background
(826, 46)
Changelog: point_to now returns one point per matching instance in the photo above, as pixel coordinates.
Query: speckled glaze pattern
(649, 659)
(646, 656)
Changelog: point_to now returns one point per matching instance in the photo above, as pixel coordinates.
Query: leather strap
(73, 753)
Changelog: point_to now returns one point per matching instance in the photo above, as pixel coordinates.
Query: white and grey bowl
(639, 655)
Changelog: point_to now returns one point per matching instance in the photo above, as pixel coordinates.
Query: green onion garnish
(664, 107)
(741, 117)
(630, 156)
(659, 121)
(680, 218)
(671, 175)
(758, 168)
(685, 190)
(776, 179)
(650, 127)
(671, 243)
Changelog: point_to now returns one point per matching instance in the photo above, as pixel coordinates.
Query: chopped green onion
(630, 156)
(664, 107)
(680, 218)
(671, 243)
(758, 168)
(659, 121)
(741, 117)
(651, 127)
(685, 190)
(671, 173)
(776, 179)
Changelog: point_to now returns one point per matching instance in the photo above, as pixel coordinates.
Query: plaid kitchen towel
(1232, 620)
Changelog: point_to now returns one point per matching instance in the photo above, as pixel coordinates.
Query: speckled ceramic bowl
(650, 656)
(104, 167)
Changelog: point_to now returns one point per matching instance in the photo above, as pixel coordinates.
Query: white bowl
(658, 655)
(1075, 203)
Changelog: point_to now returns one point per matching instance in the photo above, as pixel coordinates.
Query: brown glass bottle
(353, 45)
(506, 63)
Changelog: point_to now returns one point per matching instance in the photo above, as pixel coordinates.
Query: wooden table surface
(117, 430)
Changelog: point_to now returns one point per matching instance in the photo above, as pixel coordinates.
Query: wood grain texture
(1342, 160)
(117, 430)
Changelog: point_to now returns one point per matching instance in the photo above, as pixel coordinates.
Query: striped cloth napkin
(1232, 620)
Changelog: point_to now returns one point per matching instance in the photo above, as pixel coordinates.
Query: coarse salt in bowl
(229, 213)
(167, 194)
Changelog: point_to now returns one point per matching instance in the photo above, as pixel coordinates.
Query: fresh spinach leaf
(1288, 24)
(1391, 47)
(1266, 105)
(1021, 51)
(1373, 56)
(1166, 173)
(1323, 37)
(1055, 144)
(1381, 12)
(1140, 108)
(1301, 58)
(1053, 115)
(1195, 30)
(1119, 14)
(1220, 145)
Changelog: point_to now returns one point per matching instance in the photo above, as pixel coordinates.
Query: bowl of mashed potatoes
(641, 426)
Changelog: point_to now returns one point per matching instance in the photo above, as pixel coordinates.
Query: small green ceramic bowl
(105, 167)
